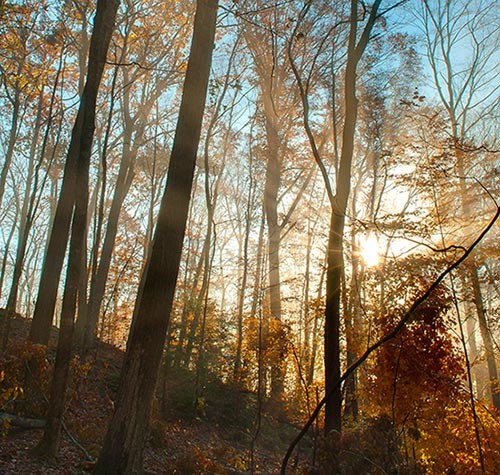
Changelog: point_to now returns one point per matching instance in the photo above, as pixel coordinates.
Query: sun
(370, 250)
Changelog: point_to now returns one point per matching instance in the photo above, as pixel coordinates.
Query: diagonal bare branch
(388, 337)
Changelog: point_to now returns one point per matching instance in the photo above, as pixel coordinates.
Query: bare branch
(305, 107)
(388, 337)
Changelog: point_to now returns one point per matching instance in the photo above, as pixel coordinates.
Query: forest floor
(216, 440)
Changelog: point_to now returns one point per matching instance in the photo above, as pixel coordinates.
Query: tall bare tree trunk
(338, 202)
(257, 286)
(124, 443)
(335, 263)
(87, 321)
(243, 260)
(81, 137)
(273, 174)
(84, 134)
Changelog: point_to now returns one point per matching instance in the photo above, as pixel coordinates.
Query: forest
(249, 237)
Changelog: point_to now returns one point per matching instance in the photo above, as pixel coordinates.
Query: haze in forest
(267, 227)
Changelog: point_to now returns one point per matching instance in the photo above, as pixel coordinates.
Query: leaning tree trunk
(87, 321)
(83, 132)
(124, 443)
(133, 139)
(48, 444)
(81, 137)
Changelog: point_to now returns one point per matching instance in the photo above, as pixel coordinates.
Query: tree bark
(101, 36)
(338, 203)
(123, 447)
(273, 174)
(243, 262)
(87, 321)
(335, 263)
(81, 137)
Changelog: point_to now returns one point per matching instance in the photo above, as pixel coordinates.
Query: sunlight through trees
(274, 223)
